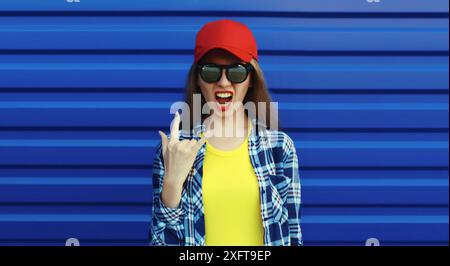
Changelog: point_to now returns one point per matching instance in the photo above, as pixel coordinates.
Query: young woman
(223, 182)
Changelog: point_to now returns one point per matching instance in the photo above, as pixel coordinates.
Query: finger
(200, 143)
(164, 142)
(175, 129)
(184, 143)
(192, 143)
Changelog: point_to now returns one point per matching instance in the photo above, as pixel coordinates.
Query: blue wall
(84, 87)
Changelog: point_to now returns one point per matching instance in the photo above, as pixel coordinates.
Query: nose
(223, 81)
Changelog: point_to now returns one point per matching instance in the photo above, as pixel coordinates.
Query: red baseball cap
(230, 35)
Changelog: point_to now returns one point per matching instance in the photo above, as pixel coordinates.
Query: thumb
(164, 142)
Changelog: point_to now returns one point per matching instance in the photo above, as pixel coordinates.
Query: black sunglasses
(236, 73)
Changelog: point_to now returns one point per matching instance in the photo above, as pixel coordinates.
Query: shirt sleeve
(166, 224)
(293, 202)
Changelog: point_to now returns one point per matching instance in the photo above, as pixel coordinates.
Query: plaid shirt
(274, 159)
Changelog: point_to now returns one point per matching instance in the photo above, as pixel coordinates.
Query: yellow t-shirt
(231, 198)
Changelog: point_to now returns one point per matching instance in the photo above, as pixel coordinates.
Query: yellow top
(231, 198)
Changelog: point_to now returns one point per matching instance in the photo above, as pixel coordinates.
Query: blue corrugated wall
(363, 91)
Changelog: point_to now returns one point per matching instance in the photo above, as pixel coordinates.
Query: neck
(232, 126)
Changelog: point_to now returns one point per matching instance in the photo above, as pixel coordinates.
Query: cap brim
(242, 55)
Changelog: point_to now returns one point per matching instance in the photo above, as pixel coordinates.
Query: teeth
(223, 94)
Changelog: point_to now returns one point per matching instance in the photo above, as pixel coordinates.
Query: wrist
(171, 195)
(172, 183)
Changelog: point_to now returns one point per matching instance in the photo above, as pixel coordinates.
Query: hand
(178, 155)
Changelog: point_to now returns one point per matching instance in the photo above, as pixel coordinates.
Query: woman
(223, 182)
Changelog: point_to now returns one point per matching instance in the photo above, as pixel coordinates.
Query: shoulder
(281, 145)
(279, 139)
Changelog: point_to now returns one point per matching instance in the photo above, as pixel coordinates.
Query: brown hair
(256, 93)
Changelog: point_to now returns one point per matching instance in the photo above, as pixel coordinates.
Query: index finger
(175, 128)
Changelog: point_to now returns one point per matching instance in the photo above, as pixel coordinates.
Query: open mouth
(224, 97)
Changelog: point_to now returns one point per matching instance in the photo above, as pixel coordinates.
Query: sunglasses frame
(248, 67)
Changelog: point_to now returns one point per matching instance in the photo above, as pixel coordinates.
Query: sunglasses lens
(210, 73)
(237, 74)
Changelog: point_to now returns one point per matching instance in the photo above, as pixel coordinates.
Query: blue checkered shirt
(274, 159)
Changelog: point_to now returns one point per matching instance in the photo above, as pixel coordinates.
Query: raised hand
(178, 156)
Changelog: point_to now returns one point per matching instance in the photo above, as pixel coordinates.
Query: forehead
(220, 56)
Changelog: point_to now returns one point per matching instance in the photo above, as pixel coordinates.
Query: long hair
(257, 93)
